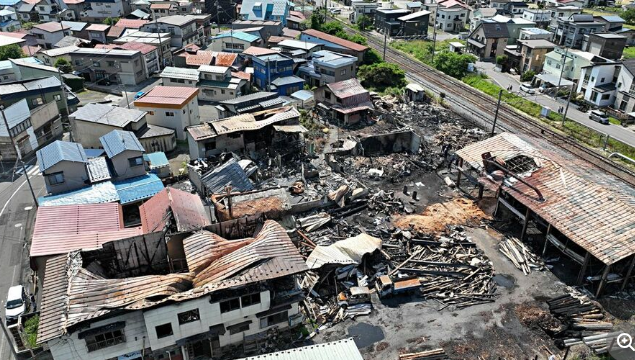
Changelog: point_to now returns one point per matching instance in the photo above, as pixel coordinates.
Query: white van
(16, 302)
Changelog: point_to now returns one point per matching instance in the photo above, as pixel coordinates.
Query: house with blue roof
(234, 41)
(275, 73)
(266, 10)
(328, 67)
(63, 165)
(9, 21)
(125, 154)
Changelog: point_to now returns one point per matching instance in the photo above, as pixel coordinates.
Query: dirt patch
(535, 317)
(435, 218)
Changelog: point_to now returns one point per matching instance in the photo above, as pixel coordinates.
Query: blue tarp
(95, 194)
(138, 188)
(8, 2)
(156, 160)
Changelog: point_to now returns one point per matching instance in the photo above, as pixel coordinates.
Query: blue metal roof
(103, 192)
(156, 159)
(58, 151)
(8, 2)
(612, 18)
(118, 141)
(229, 173)
(241, 35)
(138, 188)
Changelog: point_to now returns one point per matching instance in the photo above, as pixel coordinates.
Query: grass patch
(30, 329)
(422, 49)
(512, 99)
(629, 52)
(614, 121)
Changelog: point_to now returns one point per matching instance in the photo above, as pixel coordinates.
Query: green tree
(372, 57)
(63, 65)
(27, 25)
(363, 22)
(111, 21)
(452, 63)
(356, 38)
(501, 60)
(333, 28)
(629, 16)
(527, 75)
(11, 52)
(381, 76)
(316, 21)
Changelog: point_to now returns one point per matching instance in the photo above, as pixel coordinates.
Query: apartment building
(125, 67)
(159, 40)
(570, 32)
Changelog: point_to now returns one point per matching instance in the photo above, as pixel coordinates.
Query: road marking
(34, 171)
(11, 197)
(28, 208)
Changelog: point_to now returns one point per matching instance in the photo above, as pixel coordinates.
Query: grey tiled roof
(58, 151)
(118, 141)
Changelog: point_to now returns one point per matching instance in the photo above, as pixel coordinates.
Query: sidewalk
(504, 80)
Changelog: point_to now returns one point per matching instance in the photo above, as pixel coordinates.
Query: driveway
(505, 80)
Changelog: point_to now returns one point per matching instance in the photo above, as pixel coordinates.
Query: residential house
(541, 17)
(217, 83)
(573, 60)
(49, 33)
(27, 11)
(451, 15)
(328, 67)
(362, 8)
(535, 34)
(204, 25)
(78, 29)
(481, 13)
(562, 12)
(74, 6)
(570, 32)
(598, 83)
(160, 40)
(335, 44)
(125, 154)
(53, 11)
(244, 133)
(7, 72)
(529, 55)
(415, 24)
(96, 11)
(514, 26)
(347, 102)
(164, 8)
(204, 315)
(125, 67)
(488, 40)
(275, 73)
(97, 33)
(629, 34)
(9, 21)
(269, 28)
(64, 166)
(625, 87)
(72, 41)
(611, 22)
(222, 11)
(171, 107)
(92, 121)
(131, 23)
(605, 45)
(273, 10)
(386, 21)
(234, 41)
(150, 54)
(177, 76)
(183, 30)
(250, 103)
(306, 48)
(49, 57)
(414, 6)
(37, 91)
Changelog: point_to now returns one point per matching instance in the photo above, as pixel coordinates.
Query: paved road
(504, 80)
(17, 213)
(131, 91)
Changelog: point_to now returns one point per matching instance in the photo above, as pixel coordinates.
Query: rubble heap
(436, 354)
(520, 255)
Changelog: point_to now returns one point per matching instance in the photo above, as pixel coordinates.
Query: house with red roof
(174, 107)
(334, 43)
(49, 33)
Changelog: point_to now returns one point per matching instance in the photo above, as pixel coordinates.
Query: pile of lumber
(436, 354)
(520, 255)
(454, 271)
(585, 320)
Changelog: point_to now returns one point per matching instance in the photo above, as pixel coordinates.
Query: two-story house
(451, 15)
(160, 40)
(38, 91)
(150, 54)
(51, 10)
(217, 83)
(275, 73)
(9, 21)
(125, 67)
(125, 154)
(172, 107)
(541, 17)
(386, 20)
(98, 10)
(569, 62)
(625, 87)
(183, 29)
(347, 101)
(234, 41)
(529, 55)
(570, 32)
(223, 11)
(97, 33)
(266, 10)
(598, 83)
(328, 67)
(63, 166)
(481, 13)
(48, 34)
(26, 10)
(562, 12)
(362, 8)
(611, 23)
(334, 43)
(78, 29)
(514, 26)
(535, 34)
(606, 45)
(488, 40)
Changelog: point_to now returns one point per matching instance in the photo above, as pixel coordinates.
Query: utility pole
(65, 97)
(17, 151)
(385, 41)
(156, 26)
(500, 95)
(434, 34)
(564, 116)
(564, 59)
(6, 334)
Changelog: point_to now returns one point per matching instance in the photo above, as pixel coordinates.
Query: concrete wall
(122, 167)
(175, 82)
(186, 116)
(88, 133)
(75, 175)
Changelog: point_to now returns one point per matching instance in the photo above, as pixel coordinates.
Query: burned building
(346, 102)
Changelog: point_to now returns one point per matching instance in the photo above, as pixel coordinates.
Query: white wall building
(172, 107)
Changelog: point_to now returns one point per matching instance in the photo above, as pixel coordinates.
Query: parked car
(599, 116)
(335, 10)
(16, 303)
(139, 94)
(353, 296)
(526, 87)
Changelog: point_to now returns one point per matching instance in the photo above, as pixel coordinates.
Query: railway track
(481, 107)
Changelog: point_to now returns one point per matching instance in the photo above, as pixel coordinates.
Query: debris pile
(436, 354)
(520, 255)
(585, 320)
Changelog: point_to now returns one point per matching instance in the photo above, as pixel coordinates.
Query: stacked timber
(520, 255)
(437, 354)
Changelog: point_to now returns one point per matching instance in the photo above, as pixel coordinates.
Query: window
(188, 316)
(222, 91)
(57, 97)
(37, 101)
(343, 72)
(229, 305)
(150, 112)
(169, 113)
(56, 178)
(274, 319)
(77, 62)
(183, 111)
(104, 340)
(238, 328)
(251, 299)
(594, 96)
(623, 105)
(110, 63)
(135, 161)
(164, 330)
(606, 96)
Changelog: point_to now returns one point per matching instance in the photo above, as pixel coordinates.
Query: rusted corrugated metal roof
(205, 247)
(589, 206)
(186, 209)
(73, 294)
(225, 59)
(61, 229)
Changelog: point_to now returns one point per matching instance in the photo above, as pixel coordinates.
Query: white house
(361, 7)
(9, 20)
(50, 33)
(597, 83)
(98, 10)
(451, 15)
(217, 84)
(173, 107)
(182, 29)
